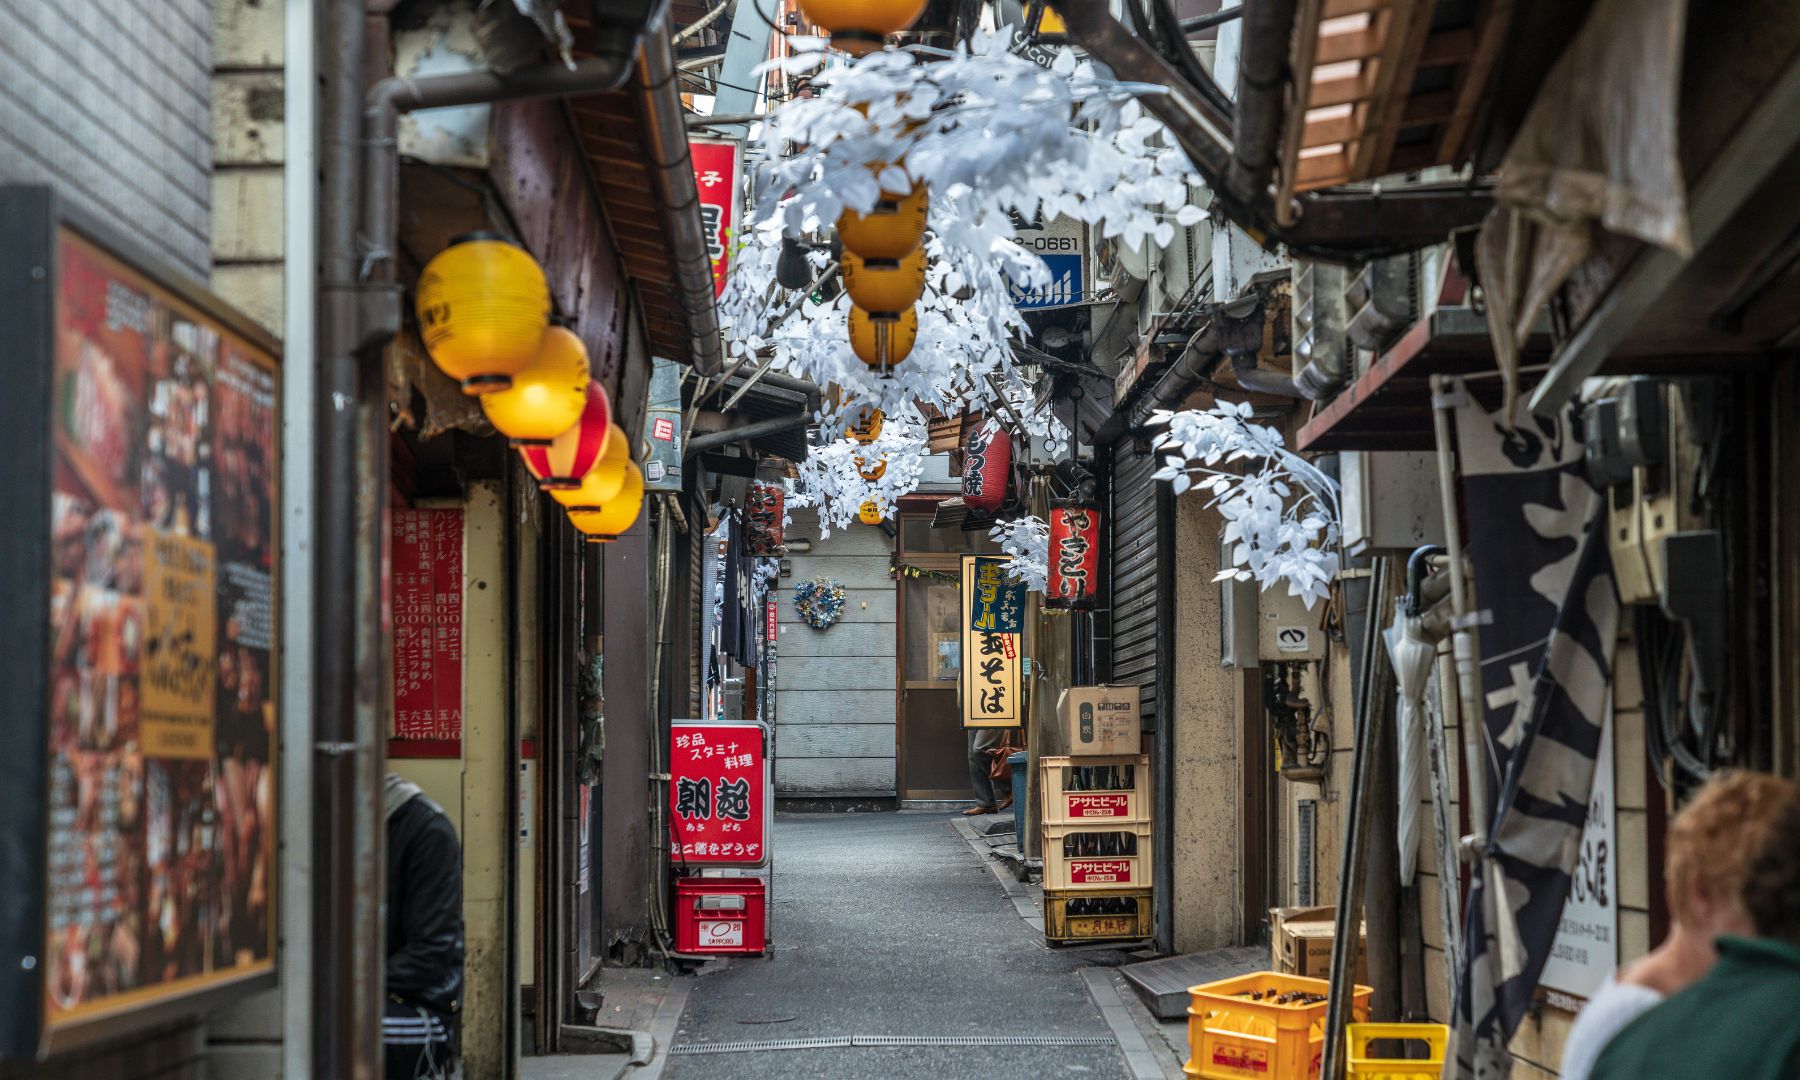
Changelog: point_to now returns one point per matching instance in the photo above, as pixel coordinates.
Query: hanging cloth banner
(718, 176)
(998, 606)
(1548, 635)
(741, 608)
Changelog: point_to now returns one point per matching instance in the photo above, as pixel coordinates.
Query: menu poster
(161, 728)
(426, 597)
(989, 683)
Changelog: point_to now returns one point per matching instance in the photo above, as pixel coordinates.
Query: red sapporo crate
(1095, 873)
(720, 915)
(1065, 807)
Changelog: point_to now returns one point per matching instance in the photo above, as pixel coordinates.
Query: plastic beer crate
(1236, 1038)
(1095, 873)
(1060, 927)
(1436, 1038)
(1063, 806)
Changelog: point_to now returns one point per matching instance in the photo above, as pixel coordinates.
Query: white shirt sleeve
(1612, 1007)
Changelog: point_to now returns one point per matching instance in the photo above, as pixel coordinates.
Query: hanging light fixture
(892, 229)
(483, 307)
(604, 480)
(881, 341)
(987, 466)
(547, 398)
(884, 286)
(601, 524)
(1074, 556)
(869, 472)
(860, 27)
(569, 456)
(869, 513)
(865, 424)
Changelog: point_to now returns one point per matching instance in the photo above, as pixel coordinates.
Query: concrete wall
(834, 695)
(1208, 797)
(109, 101)
(248, 111)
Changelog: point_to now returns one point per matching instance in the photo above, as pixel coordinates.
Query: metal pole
(1468, 663)
(347, 840)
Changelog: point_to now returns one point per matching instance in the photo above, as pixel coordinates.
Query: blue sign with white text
(1068, 285)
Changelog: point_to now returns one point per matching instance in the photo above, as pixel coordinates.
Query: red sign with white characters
(425, 555)
(1097, 806)
(718, 174)
(1074, 557)
(1102, 871)
(718, 795)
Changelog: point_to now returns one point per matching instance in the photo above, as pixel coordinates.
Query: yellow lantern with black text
(892, 229)
(871, 472)
(604, 480)
(884, 286)
(881, 341)
(547, 398)
(869, 513)
(483, 307)
(865, 424)
(564, 460)
(612, 519)
(860, 27)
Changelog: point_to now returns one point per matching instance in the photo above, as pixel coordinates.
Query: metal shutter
(1139, 594)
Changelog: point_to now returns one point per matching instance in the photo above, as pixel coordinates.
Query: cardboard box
(1300, 941)
(1100, 721)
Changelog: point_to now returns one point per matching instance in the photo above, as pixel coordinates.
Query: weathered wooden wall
(835, 688)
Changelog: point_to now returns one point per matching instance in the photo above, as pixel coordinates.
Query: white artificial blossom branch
(1282, 514)
(1027, 540)
(832, 478)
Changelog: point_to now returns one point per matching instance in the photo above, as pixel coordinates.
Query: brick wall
(109, 101)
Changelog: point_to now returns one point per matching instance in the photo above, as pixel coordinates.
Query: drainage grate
(844, 1043)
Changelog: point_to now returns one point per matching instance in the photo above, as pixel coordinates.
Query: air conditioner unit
(1322, 355)
(1383, 301)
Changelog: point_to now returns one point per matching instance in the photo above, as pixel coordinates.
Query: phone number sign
(718, 795)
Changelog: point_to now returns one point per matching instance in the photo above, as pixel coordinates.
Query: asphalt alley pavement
(890, 925)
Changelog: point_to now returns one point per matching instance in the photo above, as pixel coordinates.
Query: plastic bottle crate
(1095, 873)
(1236, 1038)
(1063, 806)
(1436, 1038)
(1062, 927)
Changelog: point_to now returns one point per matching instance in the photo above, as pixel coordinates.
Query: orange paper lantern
(611, 521)
(881, 341)
(860, 27)
(547, 398)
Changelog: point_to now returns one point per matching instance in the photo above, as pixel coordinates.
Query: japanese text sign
(426, 600)
(718, 795)
(718, 169)
(990, 683)
(1074, 557)
(998, 605)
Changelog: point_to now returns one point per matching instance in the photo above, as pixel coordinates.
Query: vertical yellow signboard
(990, 686)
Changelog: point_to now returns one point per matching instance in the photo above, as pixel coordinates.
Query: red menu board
(427, 568)
(718, 172)
(718, 795)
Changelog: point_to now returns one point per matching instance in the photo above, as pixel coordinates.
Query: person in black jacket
(424, 935)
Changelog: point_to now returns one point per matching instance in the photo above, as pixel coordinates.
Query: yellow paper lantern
(1052, 25)
(865, 424)
(611, 520)
(869, 472)
(483, 307)
(869, 513)
(545, 399)
(859, 27)
(604, 480)
(892, 229)
(881, 341)
(884, 286)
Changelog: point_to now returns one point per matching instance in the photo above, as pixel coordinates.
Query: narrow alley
(889, 925)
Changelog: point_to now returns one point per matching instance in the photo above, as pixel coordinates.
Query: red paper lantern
(1074, 557)
(987, 466)
(562, 464)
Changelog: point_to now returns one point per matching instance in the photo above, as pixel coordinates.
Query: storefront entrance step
(1163, 984)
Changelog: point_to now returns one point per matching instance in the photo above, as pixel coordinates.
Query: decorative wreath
(820, 602)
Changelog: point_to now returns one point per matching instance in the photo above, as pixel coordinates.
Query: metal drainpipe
(1262, 74)
(673, 177)
(755, 429)
(347, 839)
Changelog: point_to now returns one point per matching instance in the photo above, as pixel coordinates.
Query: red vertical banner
(718, 798)
(426, 601)
(718, 174)
(1074, 557)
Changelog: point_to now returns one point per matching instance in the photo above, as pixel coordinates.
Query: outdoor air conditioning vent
(1321, 350)
(1383, 301)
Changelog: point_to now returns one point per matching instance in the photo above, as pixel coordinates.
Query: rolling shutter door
(1139, 597)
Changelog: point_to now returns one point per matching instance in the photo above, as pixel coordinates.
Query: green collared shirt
(1739, 1022)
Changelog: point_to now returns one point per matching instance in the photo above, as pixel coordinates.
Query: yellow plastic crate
(1066, 805)
(1436, 1038)
(1236, 1038)
(1061, 927)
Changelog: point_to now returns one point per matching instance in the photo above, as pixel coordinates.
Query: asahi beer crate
(1103, 791)
(1087, 916)
(1096, 857)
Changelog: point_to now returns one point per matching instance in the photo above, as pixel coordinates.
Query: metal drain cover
(840, 1042)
